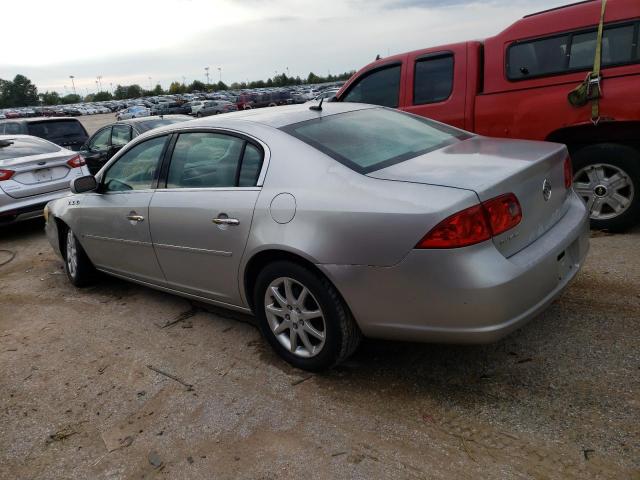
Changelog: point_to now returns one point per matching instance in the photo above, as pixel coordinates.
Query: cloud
(274, 35)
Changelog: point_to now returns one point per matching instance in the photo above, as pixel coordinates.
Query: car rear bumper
(17, 209)
(466, 295)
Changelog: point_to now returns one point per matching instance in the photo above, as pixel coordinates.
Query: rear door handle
(226, 221)
(135, 218)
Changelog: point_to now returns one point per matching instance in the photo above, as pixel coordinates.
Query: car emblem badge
(546, 190)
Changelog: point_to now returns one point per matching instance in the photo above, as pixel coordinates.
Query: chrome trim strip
(222, 253)
(118, 240)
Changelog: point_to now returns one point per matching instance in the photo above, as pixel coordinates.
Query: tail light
(6, 174)
(475, 224)
(76, 162)
(568, 173)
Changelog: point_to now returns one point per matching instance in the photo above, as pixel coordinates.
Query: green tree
(176, 87)
(71, 98)
(134, 91)
(195, 85)
(50, 98)
(157, 90)
(102, 96)
(18, 93)
(221, 86)
(120, 93)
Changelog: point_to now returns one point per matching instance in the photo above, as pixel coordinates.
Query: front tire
(79, 269)
(303, 317)
(607, 177)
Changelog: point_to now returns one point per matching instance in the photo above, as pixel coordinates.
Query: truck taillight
(475, 224)
(6, 174)
(76, 162)
(568, 173)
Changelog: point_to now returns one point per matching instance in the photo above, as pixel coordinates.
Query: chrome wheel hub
(295, 317)
(72, 254)
(607, 190)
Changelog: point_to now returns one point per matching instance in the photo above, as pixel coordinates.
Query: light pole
(220, 74)
(150, 84)
(97, 86)
(206, 69)
(111, 87)
(73, 84)
(99, 77)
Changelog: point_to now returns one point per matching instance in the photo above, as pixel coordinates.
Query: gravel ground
(120, 381)
(82, 396)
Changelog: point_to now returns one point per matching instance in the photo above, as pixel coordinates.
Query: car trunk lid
(490, 167)
(37, 174)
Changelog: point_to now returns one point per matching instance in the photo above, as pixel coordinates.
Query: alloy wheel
(295, 317)
(72, 254)
(607, 190)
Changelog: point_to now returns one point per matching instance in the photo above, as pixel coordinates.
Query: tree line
(21, 92)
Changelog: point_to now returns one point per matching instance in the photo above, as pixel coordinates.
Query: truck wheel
(607, 177)
(303, 317)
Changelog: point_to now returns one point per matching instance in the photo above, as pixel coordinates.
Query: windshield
(374, 138)
(57, 129)
(23, 147)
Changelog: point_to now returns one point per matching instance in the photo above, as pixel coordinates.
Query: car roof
(131, 121)
(39, 119)
(278, 117)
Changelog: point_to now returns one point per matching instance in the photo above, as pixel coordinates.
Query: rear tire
(607, 177)
(79, 269)
(323, 330)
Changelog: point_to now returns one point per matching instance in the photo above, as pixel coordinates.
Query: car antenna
(317, 108)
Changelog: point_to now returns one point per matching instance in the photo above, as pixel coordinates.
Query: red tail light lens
(504, 213)
(568, 173)
(475, 224)
(76, 162)
(459, 230)
(6, 174)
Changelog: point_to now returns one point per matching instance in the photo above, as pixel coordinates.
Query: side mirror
(84, 184)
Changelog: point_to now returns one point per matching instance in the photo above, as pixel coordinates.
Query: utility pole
(73, 84)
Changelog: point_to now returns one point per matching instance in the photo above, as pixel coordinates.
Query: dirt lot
(94, 122)
(81, 395)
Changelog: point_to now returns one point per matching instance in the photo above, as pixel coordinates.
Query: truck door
(435, 85)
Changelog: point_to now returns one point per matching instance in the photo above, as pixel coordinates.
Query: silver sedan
(331, 223)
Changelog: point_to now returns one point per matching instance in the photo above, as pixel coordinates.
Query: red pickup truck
(515, 85)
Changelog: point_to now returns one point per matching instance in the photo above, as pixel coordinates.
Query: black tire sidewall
(85, 271)
(625, 158)
(333, 312)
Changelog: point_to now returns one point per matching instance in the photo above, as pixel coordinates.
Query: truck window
(617, 47)
(433, 79)
(572, 51)
(379, 87)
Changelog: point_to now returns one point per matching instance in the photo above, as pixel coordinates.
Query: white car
(196, 107)
(136, 111)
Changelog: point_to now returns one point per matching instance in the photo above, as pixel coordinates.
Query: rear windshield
(160, 122)
(57, 129)
(23, 147)
(371, 139)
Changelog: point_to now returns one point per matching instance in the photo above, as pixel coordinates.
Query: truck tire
(607, 177)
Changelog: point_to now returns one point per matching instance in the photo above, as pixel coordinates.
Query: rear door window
(379, 87)
(204, 160)
(433, 79)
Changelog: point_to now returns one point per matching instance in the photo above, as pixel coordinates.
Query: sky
(158, 41)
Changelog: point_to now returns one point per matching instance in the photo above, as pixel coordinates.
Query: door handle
(226, 221)
(135, 218)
